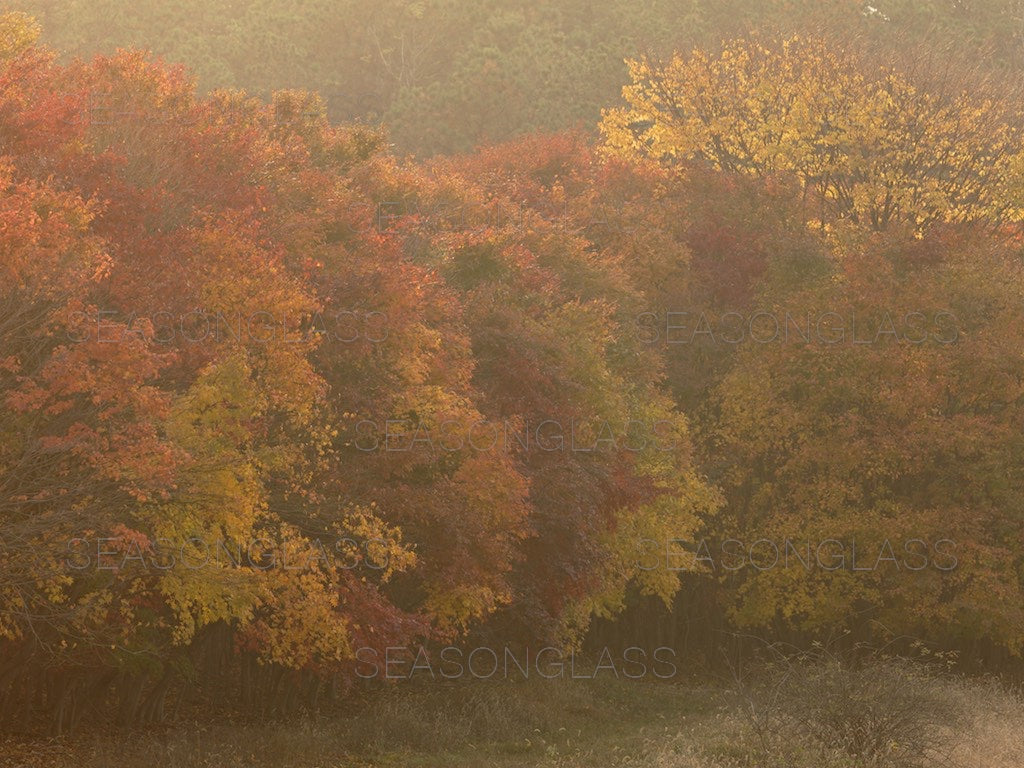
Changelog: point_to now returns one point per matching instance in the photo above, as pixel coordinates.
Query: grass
(556, 724)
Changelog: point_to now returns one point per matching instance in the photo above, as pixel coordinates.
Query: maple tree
(834, 193)
(270, 394)
(886, 412)
(149, 228)
(867, 143)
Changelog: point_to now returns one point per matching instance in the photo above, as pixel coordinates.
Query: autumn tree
(877, 415)
(551, 307)
(211, 298)
(867, 143)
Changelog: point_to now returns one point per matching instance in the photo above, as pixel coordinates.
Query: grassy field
(817, 718)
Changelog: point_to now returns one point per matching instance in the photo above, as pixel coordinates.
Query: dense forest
(448, 76)
(331, 328)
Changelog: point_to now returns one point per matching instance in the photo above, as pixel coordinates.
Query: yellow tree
(868, 143)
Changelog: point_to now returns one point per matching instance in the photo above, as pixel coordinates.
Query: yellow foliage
(18, 31)
(867, 145)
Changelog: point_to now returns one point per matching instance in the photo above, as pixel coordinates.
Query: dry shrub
(878, 712)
